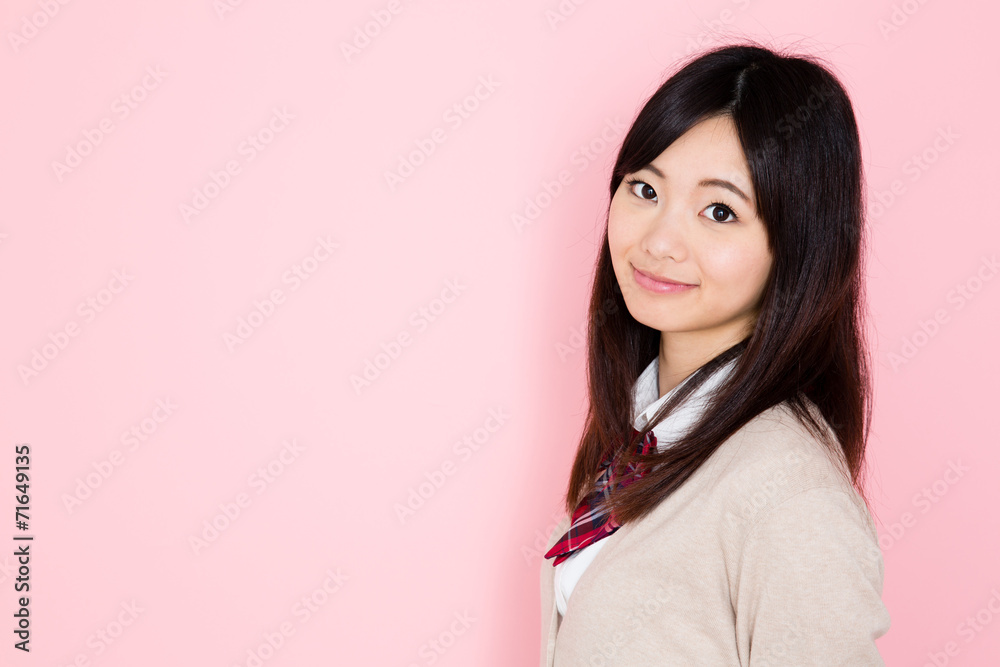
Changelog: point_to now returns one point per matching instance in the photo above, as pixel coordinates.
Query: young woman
(716, 513)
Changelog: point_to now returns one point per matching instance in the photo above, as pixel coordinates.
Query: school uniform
(765, 556)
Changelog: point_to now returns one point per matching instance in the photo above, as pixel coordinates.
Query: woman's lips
(656, 286)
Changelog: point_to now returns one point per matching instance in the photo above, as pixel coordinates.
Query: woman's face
(682, 220)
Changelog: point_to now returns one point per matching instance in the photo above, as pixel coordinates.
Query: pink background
(474, 323)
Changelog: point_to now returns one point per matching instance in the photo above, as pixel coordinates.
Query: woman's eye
(643, 191)
(721, 213)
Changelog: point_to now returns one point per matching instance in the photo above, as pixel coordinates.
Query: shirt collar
(647, 402)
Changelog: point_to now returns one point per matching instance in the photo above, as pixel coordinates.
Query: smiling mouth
(653, 276)
(658, 285)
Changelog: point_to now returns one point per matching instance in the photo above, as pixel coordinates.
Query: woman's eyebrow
(718, 182)
(705, 182)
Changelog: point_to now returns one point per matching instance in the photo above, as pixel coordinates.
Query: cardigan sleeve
(809, 588)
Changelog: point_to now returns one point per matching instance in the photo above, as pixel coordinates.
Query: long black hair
(798, 133)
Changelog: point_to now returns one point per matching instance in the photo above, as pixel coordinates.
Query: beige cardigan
(765, 556)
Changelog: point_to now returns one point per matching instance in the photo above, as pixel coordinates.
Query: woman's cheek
(739, 268)
(729, 262)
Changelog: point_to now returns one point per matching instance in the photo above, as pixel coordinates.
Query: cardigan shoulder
(808, 587)
(799, 544)
(775, 457)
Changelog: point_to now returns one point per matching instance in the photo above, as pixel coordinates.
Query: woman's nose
(665, 236)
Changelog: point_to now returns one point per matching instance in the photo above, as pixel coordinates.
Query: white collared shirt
(646, 403)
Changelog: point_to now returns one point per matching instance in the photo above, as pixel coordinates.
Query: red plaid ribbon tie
(590, 523)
